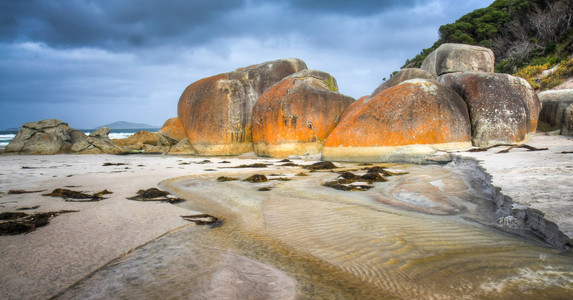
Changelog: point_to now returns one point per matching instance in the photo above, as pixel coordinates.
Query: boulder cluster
(281, 108)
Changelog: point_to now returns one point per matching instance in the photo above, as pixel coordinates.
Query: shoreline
(46, 262)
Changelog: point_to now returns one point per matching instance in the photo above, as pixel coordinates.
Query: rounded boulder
(216, 111)
(498, 108)
(404, 123)
(296, 115)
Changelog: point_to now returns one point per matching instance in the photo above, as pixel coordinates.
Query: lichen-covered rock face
(173, 129)
(403, 75)
(451, 58)
(296, 115)
(44, 137)
(216, 111)
(557, 111)
(404, 123)
(498, 111)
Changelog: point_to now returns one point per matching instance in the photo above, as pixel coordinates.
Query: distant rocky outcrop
(98, 142)
(557, 111)
(50, 136)
(216, 111)
(137, 140)
(451, 58)
(53, 136)
(296, 115)
(497, 104)
(404, 123)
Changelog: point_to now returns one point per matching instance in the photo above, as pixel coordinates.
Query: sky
(93, 62)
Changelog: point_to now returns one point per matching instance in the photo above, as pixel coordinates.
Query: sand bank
(539, 181)
(44, 262)
(47, 261)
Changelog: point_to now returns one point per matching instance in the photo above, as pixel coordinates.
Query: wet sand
(45, 262)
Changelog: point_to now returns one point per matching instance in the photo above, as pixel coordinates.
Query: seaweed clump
(75, 196)
(256, 178)
(13, 223)
(323, 165)
(154, 194)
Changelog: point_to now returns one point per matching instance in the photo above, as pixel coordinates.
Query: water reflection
(426, 234)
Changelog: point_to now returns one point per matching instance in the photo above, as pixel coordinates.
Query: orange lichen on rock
(173, 129)
(296, 115)
(409, 120)
(216, 111)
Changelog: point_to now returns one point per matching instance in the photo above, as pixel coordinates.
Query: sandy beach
(42, 263)
(47, 261)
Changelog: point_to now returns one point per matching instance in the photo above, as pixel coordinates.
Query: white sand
(42, 263)
(542, 180)
(47, 261)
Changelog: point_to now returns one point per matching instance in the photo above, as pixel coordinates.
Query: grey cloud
(354, 8)
(111, 23)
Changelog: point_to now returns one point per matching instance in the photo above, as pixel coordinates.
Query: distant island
(128, 125)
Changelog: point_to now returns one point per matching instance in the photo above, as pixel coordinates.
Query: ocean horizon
(8, 135)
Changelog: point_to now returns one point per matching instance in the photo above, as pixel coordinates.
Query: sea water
(428, 234)
(7, 136)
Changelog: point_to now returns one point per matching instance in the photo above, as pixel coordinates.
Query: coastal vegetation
(522, 33)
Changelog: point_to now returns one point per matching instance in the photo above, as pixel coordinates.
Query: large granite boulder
(499, 113)
(296, 115)
(404, 123)
(44, 137)
(216, 111)
(403, 75)
(97, 142)
(557, 111)
(451, 58)
(172, 131)
(137, 140)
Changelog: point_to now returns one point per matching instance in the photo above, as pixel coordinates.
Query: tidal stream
(427, 234)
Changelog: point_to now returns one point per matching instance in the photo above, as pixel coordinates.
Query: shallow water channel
(427, 234)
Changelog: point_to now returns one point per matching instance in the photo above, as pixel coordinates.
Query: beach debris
(75, 196)
(17, 192)
(255, 165)
(511, 146)
(322, 165)
(225, 162)
(107, 164)
(13, 223)
(347, 187)
(256, 178)
(566, 152)
(383, 171)
(301, 174)
(184, 163)
(264, 189)
(281, 179)
(373, 177)
(155, 194)
(289, 164)
(224, 179)
(203, 219)
(206, 161)
(28, 208)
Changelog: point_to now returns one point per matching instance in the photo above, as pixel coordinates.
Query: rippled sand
(427, 234)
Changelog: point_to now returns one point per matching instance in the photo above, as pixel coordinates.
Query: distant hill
(128, 125)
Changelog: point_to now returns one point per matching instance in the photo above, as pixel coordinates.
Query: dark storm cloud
(109, 23)
(354, 8)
